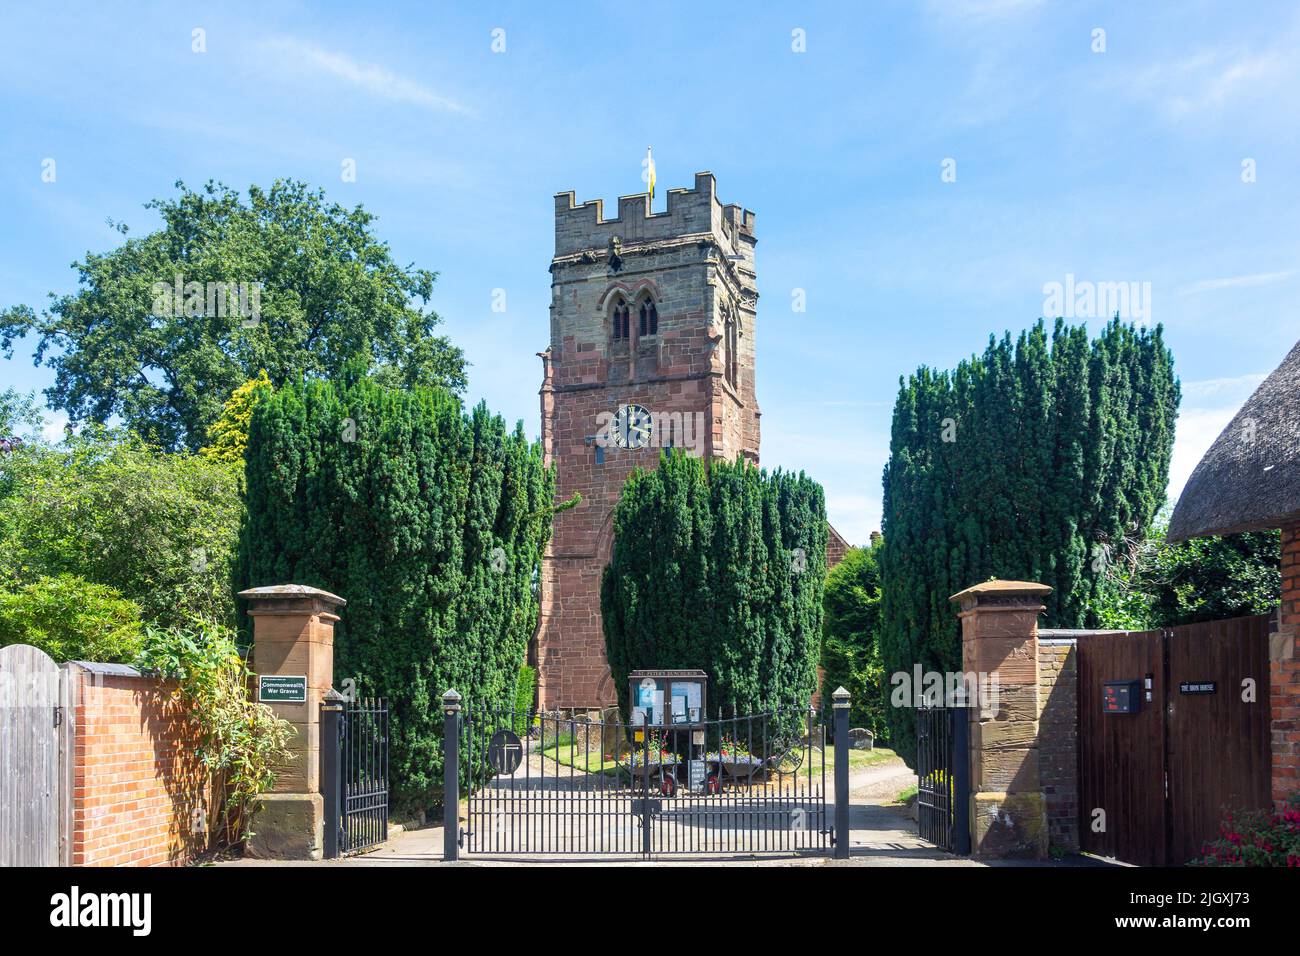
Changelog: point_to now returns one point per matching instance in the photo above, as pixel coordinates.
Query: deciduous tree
(155, 334)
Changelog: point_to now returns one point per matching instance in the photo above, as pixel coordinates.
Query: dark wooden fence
(1197, 747)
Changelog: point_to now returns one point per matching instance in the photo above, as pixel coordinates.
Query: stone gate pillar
(293, 643)
(999, 622)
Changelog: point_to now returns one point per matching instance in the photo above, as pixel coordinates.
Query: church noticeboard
(668, 697)
(280, 689)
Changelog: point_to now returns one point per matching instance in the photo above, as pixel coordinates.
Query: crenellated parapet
(694, 211)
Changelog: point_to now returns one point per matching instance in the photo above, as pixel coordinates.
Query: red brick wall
(1284, 675)
(136, 779)
(1058, 739)
(836, 547)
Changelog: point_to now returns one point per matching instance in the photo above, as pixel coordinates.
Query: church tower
(652, 346)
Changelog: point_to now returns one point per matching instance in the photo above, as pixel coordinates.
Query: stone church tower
(652, 311)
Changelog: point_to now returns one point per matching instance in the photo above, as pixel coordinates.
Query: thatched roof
(1249, 480)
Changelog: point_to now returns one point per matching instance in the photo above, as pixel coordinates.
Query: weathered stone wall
(1058, 738)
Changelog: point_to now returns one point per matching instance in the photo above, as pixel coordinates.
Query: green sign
(282, 690)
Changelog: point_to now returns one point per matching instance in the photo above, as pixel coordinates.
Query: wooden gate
(1154, 785)
(32, 759)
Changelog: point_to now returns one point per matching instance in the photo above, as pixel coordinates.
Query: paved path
(882, 834)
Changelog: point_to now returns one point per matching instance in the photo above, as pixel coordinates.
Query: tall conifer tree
(431, 523)
(1034, 461)
(719, 566)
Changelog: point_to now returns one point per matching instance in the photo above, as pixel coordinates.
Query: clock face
(631, 426)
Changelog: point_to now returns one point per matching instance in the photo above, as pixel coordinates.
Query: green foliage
(331, 294)
(228, 435)
(159, 528)
(851, 638)
(431, 523)
(241, 742)
(1203, 579)
(1056, 461)
(72, 620)
(20, 416)
(525, 694)
(1256, 838)
(721, 567)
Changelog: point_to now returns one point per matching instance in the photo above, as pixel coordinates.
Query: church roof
(1249, 480)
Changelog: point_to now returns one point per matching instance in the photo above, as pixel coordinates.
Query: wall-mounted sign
(279, 689)
(505, 752)
(1120, 697)
(1197, 687)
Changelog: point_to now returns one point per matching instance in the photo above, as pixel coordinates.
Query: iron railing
(354, 747)
(562, 783)
(943, 777)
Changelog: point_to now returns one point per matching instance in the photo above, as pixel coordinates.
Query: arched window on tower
(649, 324)
(621, 319)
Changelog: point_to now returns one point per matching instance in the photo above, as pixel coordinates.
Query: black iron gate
(574, 783)
(354, 768)
(943, 777)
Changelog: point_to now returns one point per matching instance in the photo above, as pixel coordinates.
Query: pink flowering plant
(655, 750)
(1256, 838)
(731, 750)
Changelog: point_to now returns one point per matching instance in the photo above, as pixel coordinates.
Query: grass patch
(858, 759)
(906, 796)
(585, 761)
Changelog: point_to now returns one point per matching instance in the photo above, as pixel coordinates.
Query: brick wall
(1058, 739)
(136, 780)
(1284, 675)
(836, 548)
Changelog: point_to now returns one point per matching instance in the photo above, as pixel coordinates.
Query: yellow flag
(650, 172)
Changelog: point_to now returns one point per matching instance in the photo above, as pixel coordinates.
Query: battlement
(690, 211)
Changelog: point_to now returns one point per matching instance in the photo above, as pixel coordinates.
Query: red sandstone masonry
(136, 779)
(696, 262)
(1284, 676)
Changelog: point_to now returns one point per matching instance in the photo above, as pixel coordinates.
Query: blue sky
(1117, 166)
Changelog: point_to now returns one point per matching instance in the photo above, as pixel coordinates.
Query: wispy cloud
(1237, 385)
(1237, 282)
(1209, 80)
(370, 77)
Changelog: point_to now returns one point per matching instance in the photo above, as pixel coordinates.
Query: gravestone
(861, 739)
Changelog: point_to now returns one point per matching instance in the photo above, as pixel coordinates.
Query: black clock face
(631, 426)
